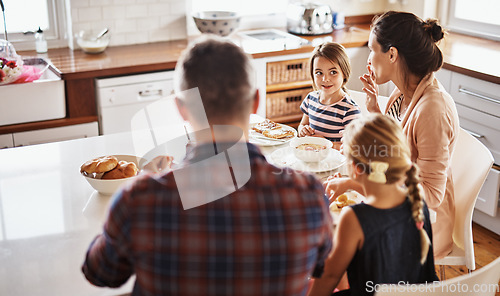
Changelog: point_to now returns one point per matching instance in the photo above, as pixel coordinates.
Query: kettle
(309, 18)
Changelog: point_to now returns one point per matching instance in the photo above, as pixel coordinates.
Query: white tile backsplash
(89, 14)
(113, 12)
(136, 10)
(131, 21)
(159, 9)
(100, 2)
(80, 3)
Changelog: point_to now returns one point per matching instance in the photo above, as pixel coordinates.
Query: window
(479, 17)
(22, 18)
(255, 13)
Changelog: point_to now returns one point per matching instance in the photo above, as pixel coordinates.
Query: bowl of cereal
(311, 149)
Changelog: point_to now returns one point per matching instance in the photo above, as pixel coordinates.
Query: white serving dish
(311, 155)
(110, 186)
(284, 157)
(42, 99)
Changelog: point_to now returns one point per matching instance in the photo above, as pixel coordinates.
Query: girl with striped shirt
(328, 109)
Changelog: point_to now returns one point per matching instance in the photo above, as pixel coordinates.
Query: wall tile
(125, 2)
(89, 14)
(178, 7)
(74, 15)
(131, 21)
(79, 3)
(113, 12)
(100, 2)
(138, 10)
(159, 9)
(148, 23)
(136, 38)
(159, 35)
(118, 39)
(125, 25)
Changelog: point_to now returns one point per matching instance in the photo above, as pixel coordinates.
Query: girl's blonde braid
(412, 183)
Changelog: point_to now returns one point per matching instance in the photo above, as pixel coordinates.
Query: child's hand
(336, 185)
(306, 130)
(371, 90)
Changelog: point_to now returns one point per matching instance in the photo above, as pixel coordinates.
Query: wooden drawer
(288, 71)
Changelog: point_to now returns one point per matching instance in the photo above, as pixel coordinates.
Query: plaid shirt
(266, 238)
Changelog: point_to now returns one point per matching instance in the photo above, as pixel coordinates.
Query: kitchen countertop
(468, 55)
(122, 60)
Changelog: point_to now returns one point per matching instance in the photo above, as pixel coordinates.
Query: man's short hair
(222, 72)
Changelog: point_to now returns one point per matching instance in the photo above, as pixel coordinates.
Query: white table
(49, 214)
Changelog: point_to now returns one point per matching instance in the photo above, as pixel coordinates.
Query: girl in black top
(387, 239)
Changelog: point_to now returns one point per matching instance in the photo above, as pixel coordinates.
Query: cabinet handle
(468, 92)
(149, 93)
(475, 135)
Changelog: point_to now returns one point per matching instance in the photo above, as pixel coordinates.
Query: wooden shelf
(287, 86)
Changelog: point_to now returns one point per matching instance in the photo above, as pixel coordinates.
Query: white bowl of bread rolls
(107, 173)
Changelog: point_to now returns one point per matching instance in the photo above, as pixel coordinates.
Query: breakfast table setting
(50, 211)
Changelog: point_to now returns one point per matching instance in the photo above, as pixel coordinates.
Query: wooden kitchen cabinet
(80, 98)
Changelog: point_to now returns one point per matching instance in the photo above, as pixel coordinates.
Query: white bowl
(88, 42)
(108, 187)
(313, 155)
(220, 23)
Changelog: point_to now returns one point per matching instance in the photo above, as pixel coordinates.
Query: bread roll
(124, 169)
(99, 165)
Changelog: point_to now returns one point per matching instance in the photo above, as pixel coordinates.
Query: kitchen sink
(269, 39)
(42, 99)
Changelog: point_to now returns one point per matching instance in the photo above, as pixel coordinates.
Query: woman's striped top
(329, 120)
(395, 109)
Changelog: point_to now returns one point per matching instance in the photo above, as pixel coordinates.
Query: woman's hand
(306, 130)
(371, 90)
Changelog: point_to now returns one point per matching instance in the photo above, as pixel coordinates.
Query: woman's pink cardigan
(431, 126)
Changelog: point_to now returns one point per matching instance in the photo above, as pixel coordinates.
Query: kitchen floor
(486, 248)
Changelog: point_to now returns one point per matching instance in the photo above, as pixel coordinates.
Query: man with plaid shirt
(266, 236)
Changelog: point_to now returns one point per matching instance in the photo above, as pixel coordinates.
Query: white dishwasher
(120, 99)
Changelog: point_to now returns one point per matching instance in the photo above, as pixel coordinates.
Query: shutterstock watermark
(436, 286)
